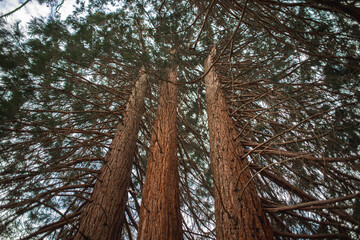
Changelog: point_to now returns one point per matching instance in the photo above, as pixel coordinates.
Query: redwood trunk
(237, 217)
(103, 217)
(160, 217)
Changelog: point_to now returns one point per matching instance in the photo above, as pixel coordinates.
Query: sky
(32, 9)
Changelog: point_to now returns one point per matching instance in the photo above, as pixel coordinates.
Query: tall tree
(62, 120)
(238, 209)
(104, 215)
(160, 216)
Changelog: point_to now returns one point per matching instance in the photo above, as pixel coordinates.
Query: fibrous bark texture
(160, 217)
(103, 218)
(238, 216)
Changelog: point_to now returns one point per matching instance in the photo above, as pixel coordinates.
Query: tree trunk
(160, 217)
(237, 217)
(103, 217)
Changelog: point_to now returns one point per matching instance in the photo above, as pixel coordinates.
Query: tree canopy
(289, 71)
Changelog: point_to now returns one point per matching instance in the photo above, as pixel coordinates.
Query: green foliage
(16, 86)
(289, 73)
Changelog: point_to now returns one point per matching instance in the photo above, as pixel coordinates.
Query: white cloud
(32, 9)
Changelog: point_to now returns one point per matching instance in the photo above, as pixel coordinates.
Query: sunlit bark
(160, 216)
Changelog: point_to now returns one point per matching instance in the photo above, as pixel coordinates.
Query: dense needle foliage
(290, 73)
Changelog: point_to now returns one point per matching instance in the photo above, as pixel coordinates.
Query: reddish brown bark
(237, 217)
(160, 217)
(103, 217)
